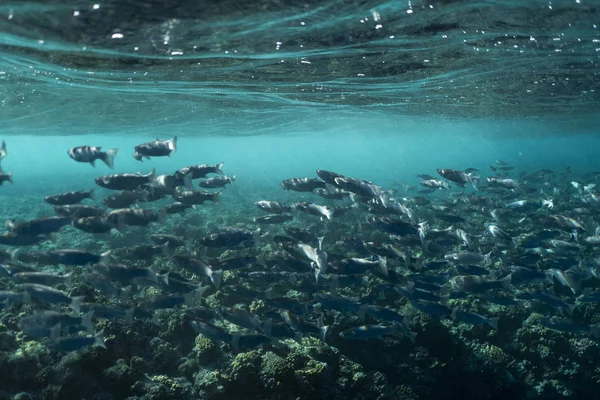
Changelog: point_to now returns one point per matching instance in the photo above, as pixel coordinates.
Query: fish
(164, 185)
(435, 184)
(505, 183)
(169, 301)
(459, 177)
(232, 237)
(313, 209)
(199, 267)
(125, 181)
(302, 326)
(367, 332)
(69, 257)
(353, 265)
(125, 198)
(171, 241)
(476, 284)
(569, 326)
(134, 217)
(273, 207)
(361, 188)
(195, 197)
(303, 184)
(14, 239)
(217, 182)
(4, 177)
(69, 198)
(76, 211)
(273, 219)
(3, 152)
(89, 154)
(94, 224)
(199, 171)
(177, 208)
(106, 286)
(469, 258)
(53, 296)
(131, 275)
(473, 318)
(76, 343)
(48, 319)
(157, 148)
(41, 226)
(43, 278)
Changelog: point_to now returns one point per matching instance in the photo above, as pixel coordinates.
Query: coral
(493, 354)
(276, 372)
(206, 350)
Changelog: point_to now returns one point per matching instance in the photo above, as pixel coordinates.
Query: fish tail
(76, 303)
(99, 339)
(493, 322)
(109, 157)
(86, 321)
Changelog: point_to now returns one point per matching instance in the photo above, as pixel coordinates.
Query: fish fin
(155, 318)
(216, 277)
(99, 339)
(454, 312)
(55, 332)
(256, 236)
(93, 162)
(506, 282)
(125, 293)
(13, 253)
(474, 181)
(320, 240)
(265, 327)
(383, 265)
(161, 216)
(69, 278)
(26, 298)
(411, 335)
(493, 322)
(362, 311)
(86, 321)
(76, 303)
(595, 329)
(235, 340)
(298, 337)
(109, 157)
(104, 256)
(129, 316)
(219, 168)
(164, 278)
(187, 180)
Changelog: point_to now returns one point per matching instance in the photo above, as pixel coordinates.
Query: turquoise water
(277, 89)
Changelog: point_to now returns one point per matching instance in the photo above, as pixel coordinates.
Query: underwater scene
(318, 199)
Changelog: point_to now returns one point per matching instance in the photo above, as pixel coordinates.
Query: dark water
(380, 91)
